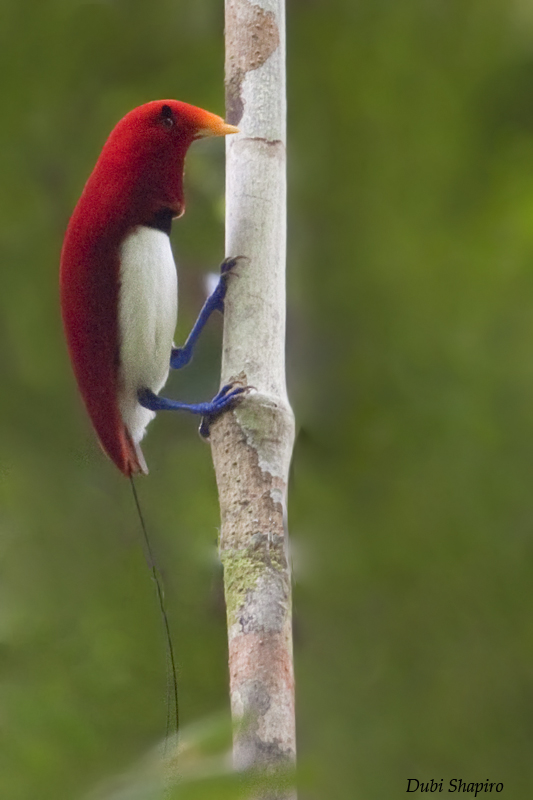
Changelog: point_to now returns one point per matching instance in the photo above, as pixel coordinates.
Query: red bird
(118, 278)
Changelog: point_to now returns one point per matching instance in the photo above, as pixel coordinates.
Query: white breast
(148, 308)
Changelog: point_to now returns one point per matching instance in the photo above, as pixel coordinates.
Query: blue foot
(180, 356)
(225, 398)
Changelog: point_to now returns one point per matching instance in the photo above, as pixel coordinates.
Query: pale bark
(252, 445)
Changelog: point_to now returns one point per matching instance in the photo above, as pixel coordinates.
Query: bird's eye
(167, 117)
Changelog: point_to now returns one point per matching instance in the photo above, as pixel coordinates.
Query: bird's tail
(172, 680)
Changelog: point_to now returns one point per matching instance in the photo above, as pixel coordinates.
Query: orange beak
(213, 125)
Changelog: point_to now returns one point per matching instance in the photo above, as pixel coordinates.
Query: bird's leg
(225, 398)
(180, 356)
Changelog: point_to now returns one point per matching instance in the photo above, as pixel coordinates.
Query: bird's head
(147, 148)
(170, 124)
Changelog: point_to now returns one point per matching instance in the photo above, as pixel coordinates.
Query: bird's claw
(227, 269)
(227, 398)
(230, 263)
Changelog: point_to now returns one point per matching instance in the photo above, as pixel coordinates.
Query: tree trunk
(252, 445)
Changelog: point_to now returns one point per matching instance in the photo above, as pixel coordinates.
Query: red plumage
(138, 174)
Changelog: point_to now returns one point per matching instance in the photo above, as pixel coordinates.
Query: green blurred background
(410, 361)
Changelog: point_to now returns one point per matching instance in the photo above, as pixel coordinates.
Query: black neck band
(162, 220)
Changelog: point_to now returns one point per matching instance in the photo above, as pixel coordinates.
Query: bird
(118, 280)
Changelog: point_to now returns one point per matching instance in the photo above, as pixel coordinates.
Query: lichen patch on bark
(251, 37)
(249, 493)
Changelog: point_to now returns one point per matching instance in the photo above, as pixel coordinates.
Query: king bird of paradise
(118, 281)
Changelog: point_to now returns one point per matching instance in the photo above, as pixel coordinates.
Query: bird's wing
(89, 302)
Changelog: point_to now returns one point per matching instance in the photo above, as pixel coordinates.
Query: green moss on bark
(242, 570)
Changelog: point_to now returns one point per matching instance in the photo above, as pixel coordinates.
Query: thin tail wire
(172, 680)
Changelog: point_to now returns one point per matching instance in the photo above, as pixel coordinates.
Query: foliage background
(410, 351)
